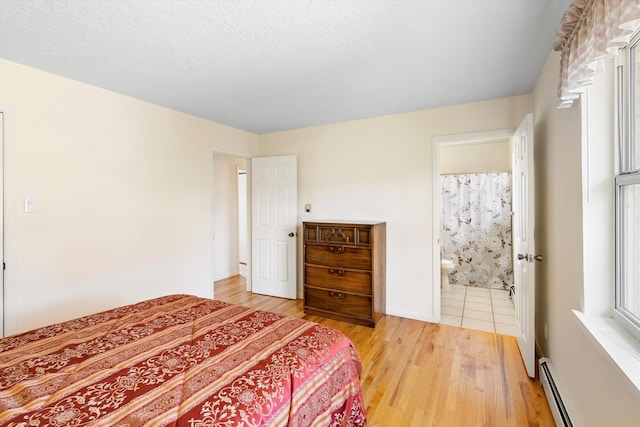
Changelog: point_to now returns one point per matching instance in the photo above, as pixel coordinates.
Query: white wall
(380, 169)
(494, 156)
(596, 390)
(226, 244)
(123, 190)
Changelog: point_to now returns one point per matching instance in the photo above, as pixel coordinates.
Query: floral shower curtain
(475, 218)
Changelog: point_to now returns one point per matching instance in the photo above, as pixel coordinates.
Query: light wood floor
(424, 374)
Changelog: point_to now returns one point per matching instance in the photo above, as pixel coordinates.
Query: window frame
(627, 172)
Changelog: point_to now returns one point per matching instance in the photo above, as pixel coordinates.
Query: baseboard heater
(552, 391)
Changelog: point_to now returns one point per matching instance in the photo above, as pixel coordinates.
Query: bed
(181, 360)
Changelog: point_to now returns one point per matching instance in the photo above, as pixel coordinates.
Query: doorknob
(522, 256)
(538, 257)
(291, 234)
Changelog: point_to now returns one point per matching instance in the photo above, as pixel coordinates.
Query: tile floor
(490, 310)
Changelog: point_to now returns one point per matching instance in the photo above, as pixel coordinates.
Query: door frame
(437, 142)
(9, 290)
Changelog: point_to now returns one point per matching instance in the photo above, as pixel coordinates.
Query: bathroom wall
(489, 156)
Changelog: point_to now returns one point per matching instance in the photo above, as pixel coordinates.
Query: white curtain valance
(591, 31)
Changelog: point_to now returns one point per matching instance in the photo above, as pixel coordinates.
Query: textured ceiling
(265, 66)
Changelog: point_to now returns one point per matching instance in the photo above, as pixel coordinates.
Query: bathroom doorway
(474, 185)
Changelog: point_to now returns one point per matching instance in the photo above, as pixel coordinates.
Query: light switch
(29, 205)
(307, 207)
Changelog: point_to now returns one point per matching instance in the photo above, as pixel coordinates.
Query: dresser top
(331, 221)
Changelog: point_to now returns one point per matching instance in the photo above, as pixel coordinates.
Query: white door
(523, 242)
(274, 195)
(1, 225)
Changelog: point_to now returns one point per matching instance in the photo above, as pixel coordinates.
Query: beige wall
(123, 191)
(381, 169)
(597, 392)
(494, 156)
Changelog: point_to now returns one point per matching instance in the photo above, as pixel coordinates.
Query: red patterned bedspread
(181, 360)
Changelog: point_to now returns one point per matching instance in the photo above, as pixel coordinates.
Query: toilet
(446, 267)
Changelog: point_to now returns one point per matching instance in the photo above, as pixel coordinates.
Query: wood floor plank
(423, 374)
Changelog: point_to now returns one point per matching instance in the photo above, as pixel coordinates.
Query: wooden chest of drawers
(344, 270)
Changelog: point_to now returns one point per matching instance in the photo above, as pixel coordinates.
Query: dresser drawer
(338, 302)
(339, 279)
(338, 256)
(337, 234)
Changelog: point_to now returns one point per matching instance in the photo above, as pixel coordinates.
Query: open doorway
(472, 185)
(230, 235)
(243, 236)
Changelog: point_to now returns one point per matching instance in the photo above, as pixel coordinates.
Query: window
(627, 183)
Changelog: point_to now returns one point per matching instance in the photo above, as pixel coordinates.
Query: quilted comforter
(181, 360)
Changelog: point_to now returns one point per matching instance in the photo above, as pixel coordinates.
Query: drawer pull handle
(337, 295)
(336, 272)
(337, 234)
(336, 249)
